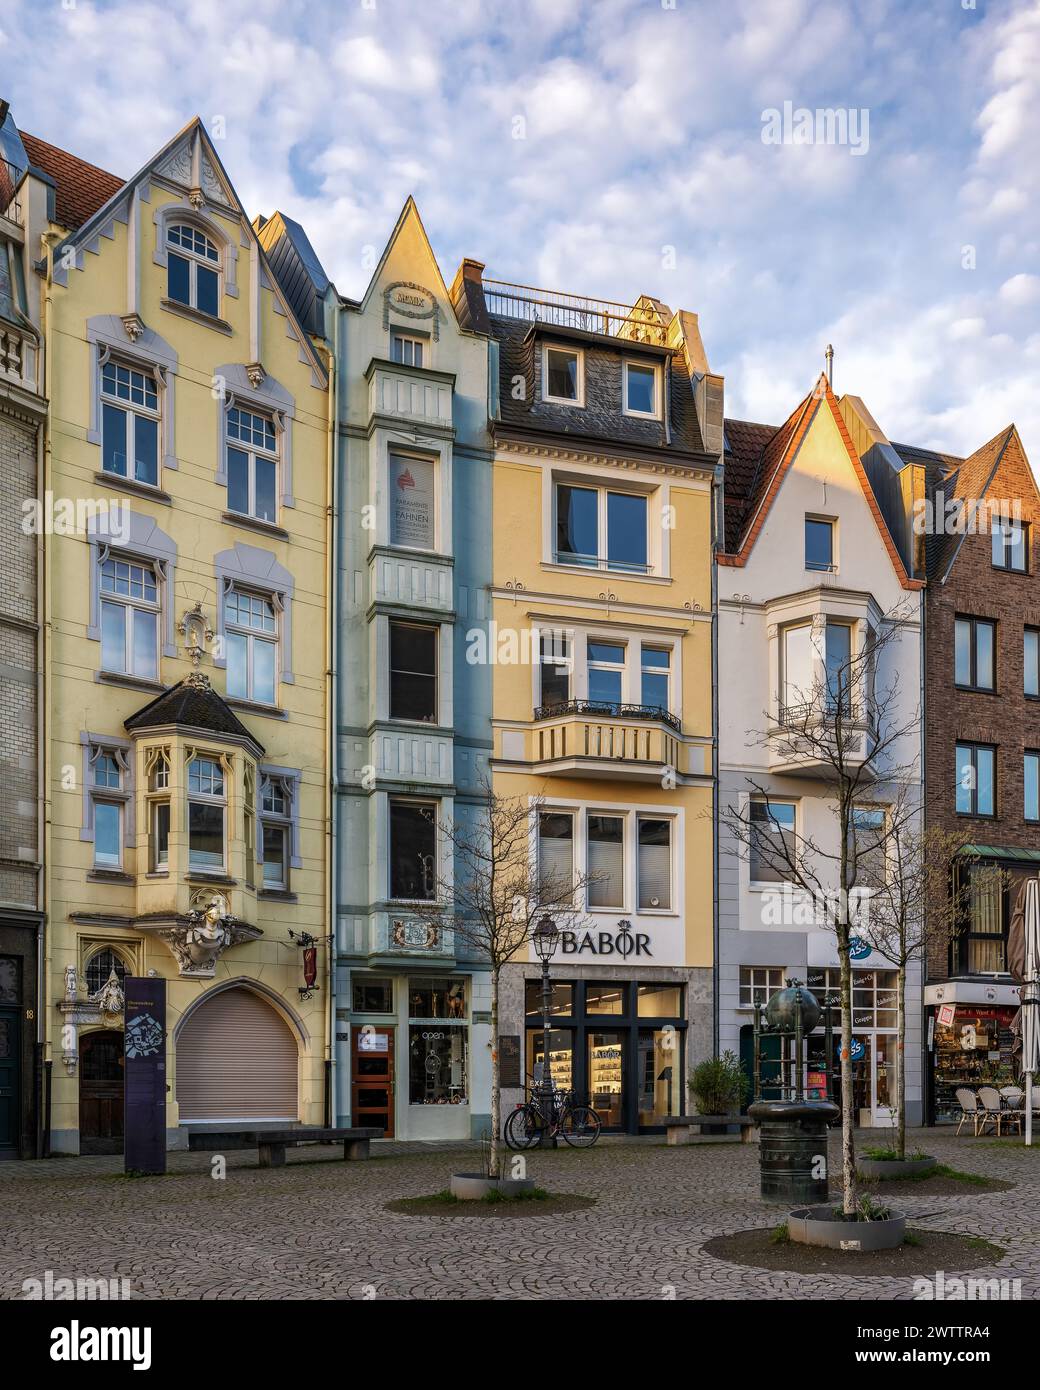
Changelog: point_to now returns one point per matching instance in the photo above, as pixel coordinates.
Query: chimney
(829, 357)
(467, 295)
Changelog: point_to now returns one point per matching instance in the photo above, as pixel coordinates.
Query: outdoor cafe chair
(989, 1097)
(969, 1103)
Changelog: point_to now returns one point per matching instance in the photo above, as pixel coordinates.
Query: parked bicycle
(578, 1125)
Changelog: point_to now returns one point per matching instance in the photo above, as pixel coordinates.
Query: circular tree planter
(820, 1226)
(882, 1168)
(473, 1187)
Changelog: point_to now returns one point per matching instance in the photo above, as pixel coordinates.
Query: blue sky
(614, 147)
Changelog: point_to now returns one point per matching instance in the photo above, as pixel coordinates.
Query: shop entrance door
(372, 1079)
(10, 1087)
(883, 1071)
(101, 1092)
(606, 1073)
(659, 1076)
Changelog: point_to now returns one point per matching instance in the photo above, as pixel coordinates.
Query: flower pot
(820, 1226)
(882, 1168)
(472, 1187)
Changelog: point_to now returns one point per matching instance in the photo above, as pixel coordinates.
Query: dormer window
(563, 377)
(406, 349)
(642, 390)
(194, 269)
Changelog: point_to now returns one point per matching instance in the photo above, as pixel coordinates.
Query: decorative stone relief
(105, 1008)
(201, 938)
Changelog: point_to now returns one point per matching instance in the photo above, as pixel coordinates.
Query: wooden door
(101, 1093)
(10, 1081)
(372, 1079)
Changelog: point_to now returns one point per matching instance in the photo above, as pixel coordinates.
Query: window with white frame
(656, 664)
(1010, 539)
(252, 463)
(642, 388)
(207, 808)
(276, 795)
(249, 821)
(413, 501)
(772, 840)
(605, 851)
(606, 669)
(193, 269)
(563, 376)
(555, 856)
(130, 609)
(406, 349)
(654, 836)
(758, 983)
(554, 669)
(599, 527)
(130, 422)
(868, 828)
(159, 811)
(797, 669)
(251, 646)
(107, 770)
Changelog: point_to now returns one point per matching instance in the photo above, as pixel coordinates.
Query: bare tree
(919, 883)
(491, 892)
(852, 737)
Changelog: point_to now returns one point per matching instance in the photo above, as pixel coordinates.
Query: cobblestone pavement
(318, 1229)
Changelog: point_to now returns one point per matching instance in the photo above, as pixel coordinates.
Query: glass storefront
(437, 1064)
(618, 1044)
(972, 1048)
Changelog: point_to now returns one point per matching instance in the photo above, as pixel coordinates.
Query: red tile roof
(79, 188)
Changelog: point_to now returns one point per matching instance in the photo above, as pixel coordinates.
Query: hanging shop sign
(144, 1075)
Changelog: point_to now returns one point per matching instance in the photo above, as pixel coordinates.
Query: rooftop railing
(638, 322)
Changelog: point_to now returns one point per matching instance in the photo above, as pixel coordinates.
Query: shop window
(437, 998)
(561, 1056)
(772, 840)
(659, 1001)
(130, 422)
(206, 810)
(606, 998)
(974, 645)
(976, 779)
(129, 618)
(826, 986)
(758, 983)
(252, 464)
(372, 996)
(874, 998)
(561, 998)
(437, 1064)
(193, 264)
(413, 672)
(655, 864)
(412, 501)
(413, 851)
(975, 1049)
(980, 947)
(606, 859)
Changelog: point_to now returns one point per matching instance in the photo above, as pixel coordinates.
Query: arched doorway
(237, 1059)
(101, 1092)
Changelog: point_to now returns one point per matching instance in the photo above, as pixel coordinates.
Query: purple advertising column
(144, 1076)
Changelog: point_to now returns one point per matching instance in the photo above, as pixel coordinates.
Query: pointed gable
(408, 253)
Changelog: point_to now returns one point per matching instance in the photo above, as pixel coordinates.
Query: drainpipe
(44, 1023)
(331, 711)
(715, 790)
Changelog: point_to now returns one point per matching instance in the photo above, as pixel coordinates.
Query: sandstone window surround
(260, 396)
(280, 817)
(107, 780)
(249, 569)
(135, 538)
(145, 352)
(225, 242)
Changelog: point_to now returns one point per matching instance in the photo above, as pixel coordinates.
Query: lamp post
(546, 940)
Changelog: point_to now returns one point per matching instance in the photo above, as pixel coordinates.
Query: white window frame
(107, 794)
(412, 341)
(579, 354)
(655, 368)
(769, 884)
(603, 490)
(579, 813)
(194, 259)
(130, 605)
(647, 813)
(252, 636)
(758, 979)
(281, 821)
(200, 797)
(253, 451)
(152, 376)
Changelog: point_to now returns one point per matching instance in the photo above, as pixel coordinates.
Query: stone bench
(272, 1143)
(679, 1129)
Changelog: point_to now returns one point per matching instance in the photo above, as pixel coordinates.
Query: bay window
(207, 806)
(159, 812)
(797, 670)
(413, 671)
(839, 668)
(413, 851)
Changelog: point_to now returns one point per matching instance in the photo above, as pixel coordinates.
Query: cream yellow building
(607, 429)
(185, 511)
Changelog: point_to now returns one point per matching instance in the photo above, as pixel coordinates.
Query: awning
(1027, 856)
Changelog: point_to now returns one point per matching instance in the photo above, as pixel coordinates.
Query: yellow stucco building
(184, 510)
(607, 427)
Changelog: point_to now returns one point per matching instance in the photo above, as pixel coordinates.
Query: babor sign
(144, 1075)
(622, 943)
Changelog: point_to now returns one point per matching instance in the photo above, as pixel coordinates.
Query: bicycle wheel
(580, 1126)
(523, 1127)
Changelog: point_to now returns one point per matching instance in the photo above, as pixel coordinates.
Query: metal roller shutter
(236, 1060)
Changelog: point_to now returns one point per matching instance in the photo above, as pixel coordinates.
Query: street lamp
(546, 940)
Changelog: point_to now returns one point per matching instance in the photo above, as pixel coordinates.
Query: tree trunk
(900, 1068)
(496, 1096)
(848, 1145)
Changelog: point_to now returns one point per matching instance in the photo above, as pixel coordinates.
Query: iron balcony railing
(607, 709)
(563, 310)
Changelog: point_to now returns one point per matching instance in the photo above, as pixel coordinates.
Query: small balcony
(415, 394)
(589, 738)
(802, 741)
